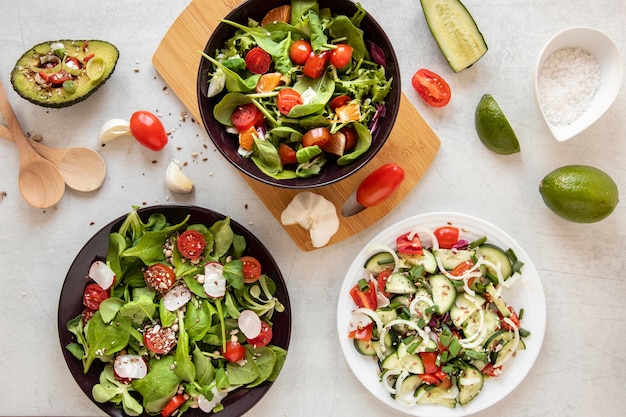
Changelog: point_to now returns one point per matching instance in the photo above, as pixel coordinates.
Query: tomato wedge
(412, 246)
(447, 236)
(381, 280)
(264, 337)
(234, 351)
(258, 61)
(251, 269)
(287, 99)
(173, 405)
(431, 87)
(316, 64)
(364, 298)
(287, 155)
(380, 184)
(93, 295)
(247, 116)
(362, 333)
(191, 244)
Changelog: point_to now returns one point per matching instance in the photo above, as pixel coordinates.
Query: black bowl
(225, 142)
(236, 403)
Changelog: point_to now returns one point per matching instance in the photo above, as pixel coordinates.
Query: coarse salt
(567, 83)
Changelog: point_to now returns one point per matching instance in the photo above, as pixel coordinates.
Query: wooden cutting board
(412, 143)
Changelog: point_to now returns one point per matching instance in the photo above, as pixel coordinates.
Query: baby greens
(363, 80)
(196, 365)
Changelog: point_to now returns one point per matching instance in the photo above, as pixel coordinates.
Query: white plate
(527, 293)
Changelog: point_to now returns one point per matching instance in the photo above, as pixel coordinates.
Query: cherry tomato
(159, 277)
(316, 64)
(247, 116)
(380, 184)
(287, 99)
(191, 244)
(430, 379)
(234, 351)
(339, 101)
(173, 405)
(341, 56)
(409, 247)
(258, 61)
(362, 333)
(148, 130)
(351, 137)
(93, 296)
(287, 155)
(447, 236)
(429, 359)
(462, 268)
(513, 317)
(86, 315)
(432, 87)
(381, 279)
(251, 269)
(300, 51)
(264, 337)
(364, 298)
(159, 340)
(319, 136)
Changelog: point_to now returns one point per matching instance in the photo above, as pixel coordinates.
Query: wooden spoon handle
(27, 154)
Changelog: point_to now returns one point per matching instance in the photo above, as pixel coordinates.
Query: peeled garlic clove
(112, 129)
(314, 213)
(175, 179)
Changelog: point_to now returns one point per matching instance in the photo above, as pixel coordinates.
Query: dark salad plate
(70, 303)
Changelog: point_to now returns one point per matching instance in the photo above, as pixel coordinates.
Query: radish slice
(214, 281)
(102, 274)
(176, 297)
(249, 324)
(130, 366)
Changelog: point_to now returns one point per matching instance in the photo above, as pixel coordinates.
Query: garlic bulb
(175, 180)
(112, 129)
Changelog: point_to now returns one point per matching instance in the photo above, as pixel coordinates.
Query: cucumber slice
(409, 386)
(387, 315)
(379, 262)
(496, 255)
(398, 283)
(455, 31)
(450, 259)
(463, 308)
(411, 363)
(425, 394)
(426, 260)
(508, 349)
(366, 347)
(470, 382)
(444, 292)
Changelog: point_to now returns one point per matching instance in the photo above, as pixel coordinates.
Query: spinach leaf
(324, 87)
(205, 371)
(265, 360)
(168, 318)
(104, 339)
(364, 141)
(110, 307)
(307, 153)
(234, 82)
(159, 385)
(198, 319)
(223, 111)
(242, 375)
(281, 357)
(318, 37)
(342, 27)
(139, 309)
(300, 9)
(109, 389)
(233, 272)
(239, 246)
(312, 167)
(223, 237)
(117, 245)
(185, 369)
(266, 158)
(149, 247)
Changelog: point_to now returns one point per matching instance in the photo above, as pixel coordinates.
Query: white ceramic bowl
(609, 61)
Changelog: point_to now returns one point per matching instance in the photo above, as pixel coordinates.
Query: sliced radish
(130, 366)
(102, 274)
(214, 281)
(208, 406)
(176, 297)
(249, 324)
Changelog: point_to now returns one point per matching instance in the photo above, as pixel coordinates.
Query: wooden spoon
(82, 168)
(40, 182)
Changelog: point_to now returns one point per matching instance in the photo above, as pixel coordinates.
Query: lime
(493, 128)
(579, 193)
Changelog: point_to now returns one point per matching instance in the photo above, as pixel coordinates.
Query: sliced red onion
(249, 324)
(461, 244)
(102, 274)
(377, 54)
(130, 366)
(214, 281)
(176, 297)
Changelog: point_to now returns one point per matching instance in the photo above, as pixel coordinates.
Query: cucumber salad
(430, 311)
(180, 316)
(300, 89)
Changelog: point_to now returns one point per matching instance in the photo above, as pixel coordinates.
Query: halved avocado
(39, 75)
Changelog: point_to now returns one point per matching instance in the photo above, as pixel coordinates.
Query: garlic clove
(112, 129)
(314, 213)
(175, 180)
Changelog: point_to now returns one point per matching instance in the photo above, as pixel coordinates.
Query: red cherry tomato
(93, 296)
(319, 136)
(246, 116)
(432, 87)
(86, 315)
(316, 64)
(300, 51)
(159, 340)
(341, 56)
(380, 184)
(191, 244)
(462, 268)
(234, 351)
(148, 130)
(408, 246)
(287, 155)
(287, 99)
(173, 405)
(159, 277)
(447, 236)
(381, 280)
(251, 269)
(339, 101)
(351, 137)
(264, 337)
(258, 61)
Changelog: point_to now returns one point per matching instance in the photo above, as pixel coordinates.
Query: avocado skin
(27, 88)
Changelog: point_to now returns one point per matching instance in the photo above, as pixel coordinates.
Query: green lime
(579, 193)
(493, 128)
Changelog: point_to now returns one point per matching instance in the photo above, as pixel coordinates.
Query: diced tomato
(489, 370)
(430, 379)
(446, 382)
(409, 247)
(381, 279)
(287, 155)
(513, 317)
(364, 298)
(447, 236)
(429, 359)
(173, 405)
(362, 333)
(462, 268)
